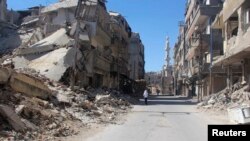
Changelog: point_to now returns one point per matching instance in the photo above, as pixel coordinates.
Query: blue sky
(153, 19)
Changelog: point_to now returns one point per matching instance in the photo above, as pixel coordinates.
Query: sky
(153, 19)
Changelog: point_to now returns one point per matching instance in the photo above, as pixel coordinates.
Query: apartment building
(234, 23)
(136, 59)
(199, 44)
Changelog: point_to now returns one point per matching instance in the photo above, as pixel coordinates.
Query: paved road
(164, 119)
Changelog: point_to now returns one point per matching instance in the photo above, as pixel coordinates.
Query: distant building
(154, 80)
(136, 57)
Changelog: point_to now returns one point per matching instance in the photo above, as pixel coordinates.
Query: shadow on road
(168, 100)
(164, 113)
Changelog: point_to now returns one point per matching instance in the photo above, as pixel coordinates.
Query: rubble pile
(42, 54)
(29, 117)
(238, 95)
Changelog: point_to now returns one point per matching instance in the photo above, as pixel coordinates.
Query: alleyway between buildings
(166, 117)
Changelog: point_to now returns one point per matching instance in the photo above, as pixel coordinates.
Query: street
(165, 118)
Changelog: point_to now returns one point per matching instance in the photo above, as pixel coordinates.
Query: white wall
(62, 16)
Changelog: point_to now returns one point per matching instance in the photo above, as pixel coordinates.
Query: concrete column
(246, 70)
(229, 76)
(241, 19)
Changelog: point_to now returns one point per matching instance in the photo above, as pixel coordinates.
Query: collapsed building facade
(44, 50)
(76, 42)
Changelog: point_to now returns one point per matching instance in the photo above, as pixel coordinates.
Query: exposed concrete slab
(29, 86)
(54, 64)
(14, 120)
(56, 40)
(5, 74)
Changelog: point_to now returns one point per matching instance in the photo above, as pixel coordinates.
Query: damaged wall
(136, 57)
(47, 43)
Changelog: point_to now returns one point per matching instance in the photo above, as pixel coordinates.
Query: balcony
(204, 39)
(196, 43)
(202, 14)
(191, 52)
(205, 68)
(195, 69)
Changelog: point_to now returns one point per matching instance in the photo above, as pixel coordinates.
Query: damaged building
(77, 43)
(200, 45)
(211, 53)
(44, 50)
(136, 59)
(180, 63)
(234, 25)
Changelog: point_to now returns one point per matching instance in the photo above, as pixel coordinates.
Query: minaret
(167, 71)
(166, 68)
(167, 57)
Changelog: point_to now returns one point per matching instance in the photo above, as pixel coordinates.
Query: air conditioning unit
(239, 114)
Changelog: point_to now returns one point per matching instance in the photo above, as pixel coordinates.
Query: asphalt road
(164, 119)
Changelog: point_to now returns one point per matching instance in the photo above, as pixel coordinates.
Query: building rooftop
(66, 4)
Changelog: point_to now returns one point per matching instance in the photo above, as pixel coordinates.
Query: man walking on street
(145, 95)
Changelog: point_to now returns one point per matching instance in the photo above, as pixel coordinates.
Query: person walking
(145, 95)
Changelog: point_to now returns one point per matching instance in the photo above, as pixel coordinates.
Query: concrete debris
(5, 74)
(47, 116)
(63, 99)
(236, 96)
(44, 54)
(56, 40)
(29, 85)
(13, 119)
(19, 109)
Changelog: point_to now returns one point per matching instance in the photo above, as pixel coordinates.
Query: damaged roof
(67, 4)
(57, 39)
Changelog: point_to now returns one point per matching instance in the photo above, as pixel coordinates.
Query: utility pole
(200, 67)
